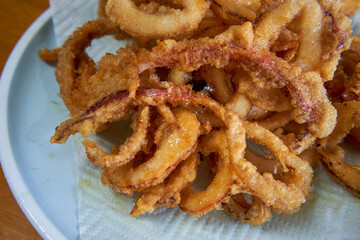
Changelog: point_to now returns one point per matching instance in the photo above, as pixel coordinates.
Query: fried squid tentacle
(257, 212)
(110, 109)
(125, 152)
(69, 56)
(280, 195)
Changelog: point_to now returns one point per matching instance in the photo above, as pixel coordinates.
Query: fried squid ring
(165, 23)
(167, 114)
(175, 147)
(110, 109)
(167, 193)
(257, 212)
(125, 152)
(296, 137)
(201, 202)
(275, 193)
(116, 106)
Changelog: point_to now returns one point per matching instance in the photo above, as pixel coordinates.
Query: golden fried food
(125, 152)
(177, 146)
(348, 175)
(254, 214)
(75, 67)
(350, 7)
(275, 193)
(204, 201)
(333, 156)
(204, 78)
(168, 192)
(164, 22)
(49, 55)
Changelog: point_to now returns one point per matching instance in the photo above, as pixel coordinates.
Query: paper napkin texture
(333, 213)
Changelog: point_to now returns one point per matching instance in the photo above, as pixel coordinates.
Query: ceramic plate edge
(30, 208)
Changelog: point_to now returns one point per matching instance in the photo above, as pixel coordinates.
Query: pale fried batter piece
(255, 213)
(49, 55)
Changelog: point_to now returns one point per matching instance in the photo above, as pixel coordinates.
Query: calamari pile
(202, 79)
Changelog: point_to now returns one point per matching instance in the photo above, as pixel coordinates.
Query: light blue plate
(41, 175)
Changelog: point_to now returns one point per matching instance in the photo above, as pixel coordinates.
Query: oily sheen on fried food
(200, 81)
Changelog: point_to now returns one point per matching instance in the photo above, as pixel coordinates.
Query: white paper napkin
(333, 213)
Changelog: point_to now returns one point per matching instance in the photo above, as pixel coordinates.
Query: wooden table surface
(15, 17)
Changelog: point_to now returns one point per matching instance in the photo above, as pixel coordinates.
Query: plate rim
(33, 212)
